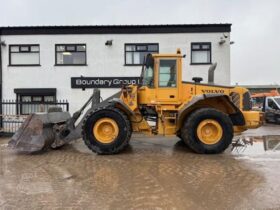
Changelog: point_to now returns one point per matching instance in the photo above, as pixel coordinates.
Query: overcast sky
(255, 56)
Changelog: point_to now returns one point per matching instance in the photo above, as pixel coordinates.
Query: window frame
(65, 45)
(200, 49)
(34, 92)
(138, 44)
(33, 102)
(176, 81)
(29, 51)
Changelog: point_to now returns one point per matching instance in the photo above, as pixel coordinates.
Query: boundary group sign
(103, 82)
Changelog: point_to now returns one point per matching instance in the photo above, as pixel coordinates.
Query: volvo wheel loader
(204, 116)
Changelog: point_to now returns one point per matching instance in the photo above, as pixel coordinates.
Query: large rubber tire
(189, 131)
(119, 143)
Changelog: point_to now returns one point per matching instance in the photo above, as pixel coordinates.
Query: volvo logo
(213, 91)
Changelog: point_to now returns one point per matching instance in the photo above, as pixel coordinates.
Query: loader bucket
(36, 133)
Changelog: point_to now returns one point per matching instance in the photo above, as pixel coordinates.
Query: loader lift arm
(64, 130)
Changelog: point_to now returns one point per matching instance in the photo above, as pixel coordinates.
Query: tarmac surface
(153, 173)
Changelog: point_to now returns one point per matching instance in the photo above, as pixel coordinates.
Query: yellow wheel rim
(209, 131)
(105, 130)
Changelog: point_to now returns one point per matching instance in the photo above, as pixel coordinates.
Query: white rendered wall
(104, 61)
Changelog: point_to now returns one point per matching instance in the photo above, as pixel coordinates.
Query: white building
(38, 63)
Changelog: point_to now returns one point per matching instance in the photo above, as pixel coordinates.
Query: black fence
(13, 113)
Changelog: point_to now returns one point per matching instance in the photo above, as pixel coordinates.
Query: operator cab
(271, 108)
(271, 103)
(161, 73)
(167, 72)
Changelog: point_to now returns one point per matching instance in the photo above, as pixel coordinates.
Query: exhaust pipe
(211, 73)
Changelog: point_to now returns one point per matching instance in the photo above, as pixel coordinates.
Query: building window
(201, 53)
(24, 55)
(35, 100)
(135, 53)
(33, 104)
(70, 54)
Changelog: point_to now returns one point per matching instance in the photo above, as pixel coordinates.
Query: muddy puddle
(152, 173)
(265, 146)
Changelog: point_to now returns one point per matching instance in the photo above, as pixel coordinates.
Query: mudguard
(117, 102)
(234, 112)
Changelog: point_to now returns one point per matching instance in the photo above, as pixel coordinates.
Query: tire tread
(113, 150)
(189, 136)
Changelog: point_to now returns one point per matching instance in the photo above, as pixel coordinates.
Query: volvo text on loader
(204, 116)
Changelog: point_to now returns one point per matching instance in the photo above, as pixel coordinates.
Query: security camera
(222, 41)
(3, 43)
(109, 42)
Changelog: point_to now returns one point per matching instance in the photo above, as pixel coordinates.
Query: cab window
(167, 73)
(148, 74)
(148, 79)
(272, 105)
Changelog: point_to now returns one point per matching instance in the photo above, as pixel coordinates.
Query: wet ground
(153, 173)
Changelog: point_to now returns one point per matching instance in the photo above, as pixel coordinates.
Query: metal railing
(13, 113)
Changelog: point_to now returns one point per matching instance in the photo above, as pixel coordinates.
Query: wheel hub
(209, 131)
(105, 130)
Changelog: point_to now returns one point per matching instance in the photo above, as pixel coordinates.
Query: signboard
(103, 82)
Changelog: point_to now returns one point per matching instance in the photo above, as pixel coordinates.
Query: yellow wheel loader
(204, 116)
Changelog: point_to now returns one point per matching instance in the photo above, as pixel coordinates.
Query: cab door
(167, 80)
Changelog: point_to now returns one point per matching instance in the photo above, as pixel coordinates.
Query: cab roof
(178, 54)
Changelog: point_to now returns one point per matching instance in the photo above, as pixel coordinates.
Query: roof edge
(115, 29)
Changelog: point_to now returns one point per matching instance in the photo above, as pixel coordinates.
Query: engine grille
(247, 104)
(235, 98)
